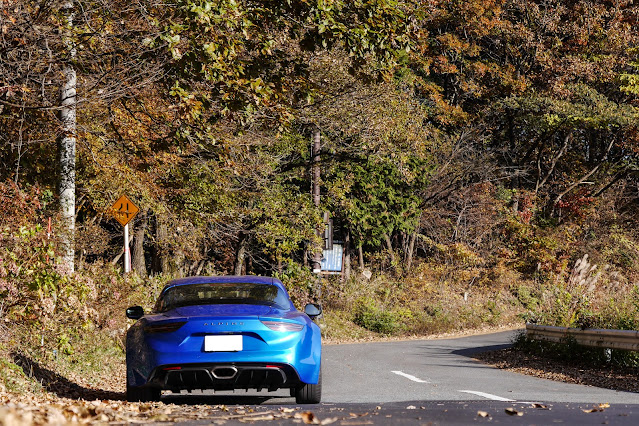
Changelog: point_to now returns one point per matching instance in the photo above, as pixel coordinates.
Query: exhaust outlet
(224, 373)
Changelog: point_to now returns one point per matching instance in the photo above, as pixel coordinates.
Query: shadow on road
(204, 399)
(64, 388)
(60, 385)
(470, 352)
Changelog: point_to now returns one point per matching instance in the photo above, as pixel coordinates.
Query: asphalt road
(436, 370)
(438, 382)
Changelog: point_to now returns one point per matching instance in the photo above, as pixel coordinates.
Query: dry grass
(435, 299)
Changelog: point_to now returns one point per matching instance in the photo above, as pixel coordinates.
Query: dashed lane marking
(488, 396)
(409, 377)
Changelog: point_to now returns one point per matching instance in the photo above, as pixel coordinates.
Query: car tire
(142, 394)
(309, 393)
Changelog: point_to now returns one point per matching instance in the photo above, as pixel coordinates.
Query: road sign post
(124, 210)
(127, 250)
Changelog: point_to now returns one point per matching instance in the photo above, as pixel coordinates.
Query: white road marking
(488, 396)
(409, 377)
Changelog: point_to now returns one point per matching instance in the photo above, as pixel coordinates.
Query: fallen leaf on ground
(483, 414)
(309, 418)
(597, 408)
(540, 406)
(267, 417)
(512, 412)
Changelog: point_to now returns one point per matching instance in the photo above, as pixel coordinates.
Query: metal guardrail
(592, 337)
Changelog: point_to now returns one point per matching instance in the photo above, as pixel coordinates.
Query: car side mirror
(135, 312)
(313, 310)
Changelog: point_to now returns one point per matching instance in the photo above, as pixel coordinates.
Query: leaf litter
(50, 409)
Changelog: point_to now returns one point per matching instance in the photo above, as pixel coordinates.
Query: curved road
(436, 370)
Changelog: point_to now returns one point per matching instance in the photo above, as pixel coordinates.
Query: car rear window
(216, 293)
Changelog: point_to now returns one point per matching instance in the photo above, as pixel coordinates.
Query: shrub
(527, 297)
(300, 283)
(370, 316)
(491, 313)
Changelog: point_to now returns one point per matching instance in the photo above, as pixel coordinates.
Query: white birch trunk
(67, 147)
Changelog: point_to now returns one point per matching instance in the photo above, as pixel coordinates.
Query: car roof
(225, 279)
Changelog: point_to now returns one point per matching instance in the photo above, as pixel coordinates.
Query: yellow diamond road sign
(124, 210)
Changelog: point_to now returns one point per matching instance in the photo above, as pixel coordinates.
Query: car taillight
(283, 326)
(166, 327)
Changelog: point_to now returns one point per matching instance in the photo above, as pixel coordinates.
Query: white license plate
(230, 343)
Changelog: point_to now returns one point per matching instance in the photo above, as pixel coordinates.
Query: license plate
(230, 343)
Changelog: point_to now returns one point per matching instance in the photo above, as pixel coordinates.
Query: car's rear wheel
(309, 393)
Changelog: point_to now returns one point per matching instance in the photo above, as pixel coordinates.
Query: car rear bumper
(224, 376)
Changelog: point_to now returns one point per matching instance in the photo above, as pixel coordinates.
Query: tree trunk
(410, 251)
(240, 254)
(161, 233)
(360, 253)
(200, 267)
(389, 246)
(67, 147)
(316, 173)
(514, 180)
(542, 181)
(139, 264)
(249, 265)
(347, 256)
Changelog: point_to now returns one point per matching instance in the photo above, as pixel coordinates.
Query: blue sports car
(224, 333)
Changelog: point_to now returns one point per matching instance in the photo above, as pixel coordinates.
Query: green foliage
(249, 55)
(12, 377)
(368, 314)
(383, 198)
(620, 250)
(30, 279)
(300, 282)
(630, 81)
(620, 311)
(532, 249)
(492, 313)
(528, 297)
(583, 108)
